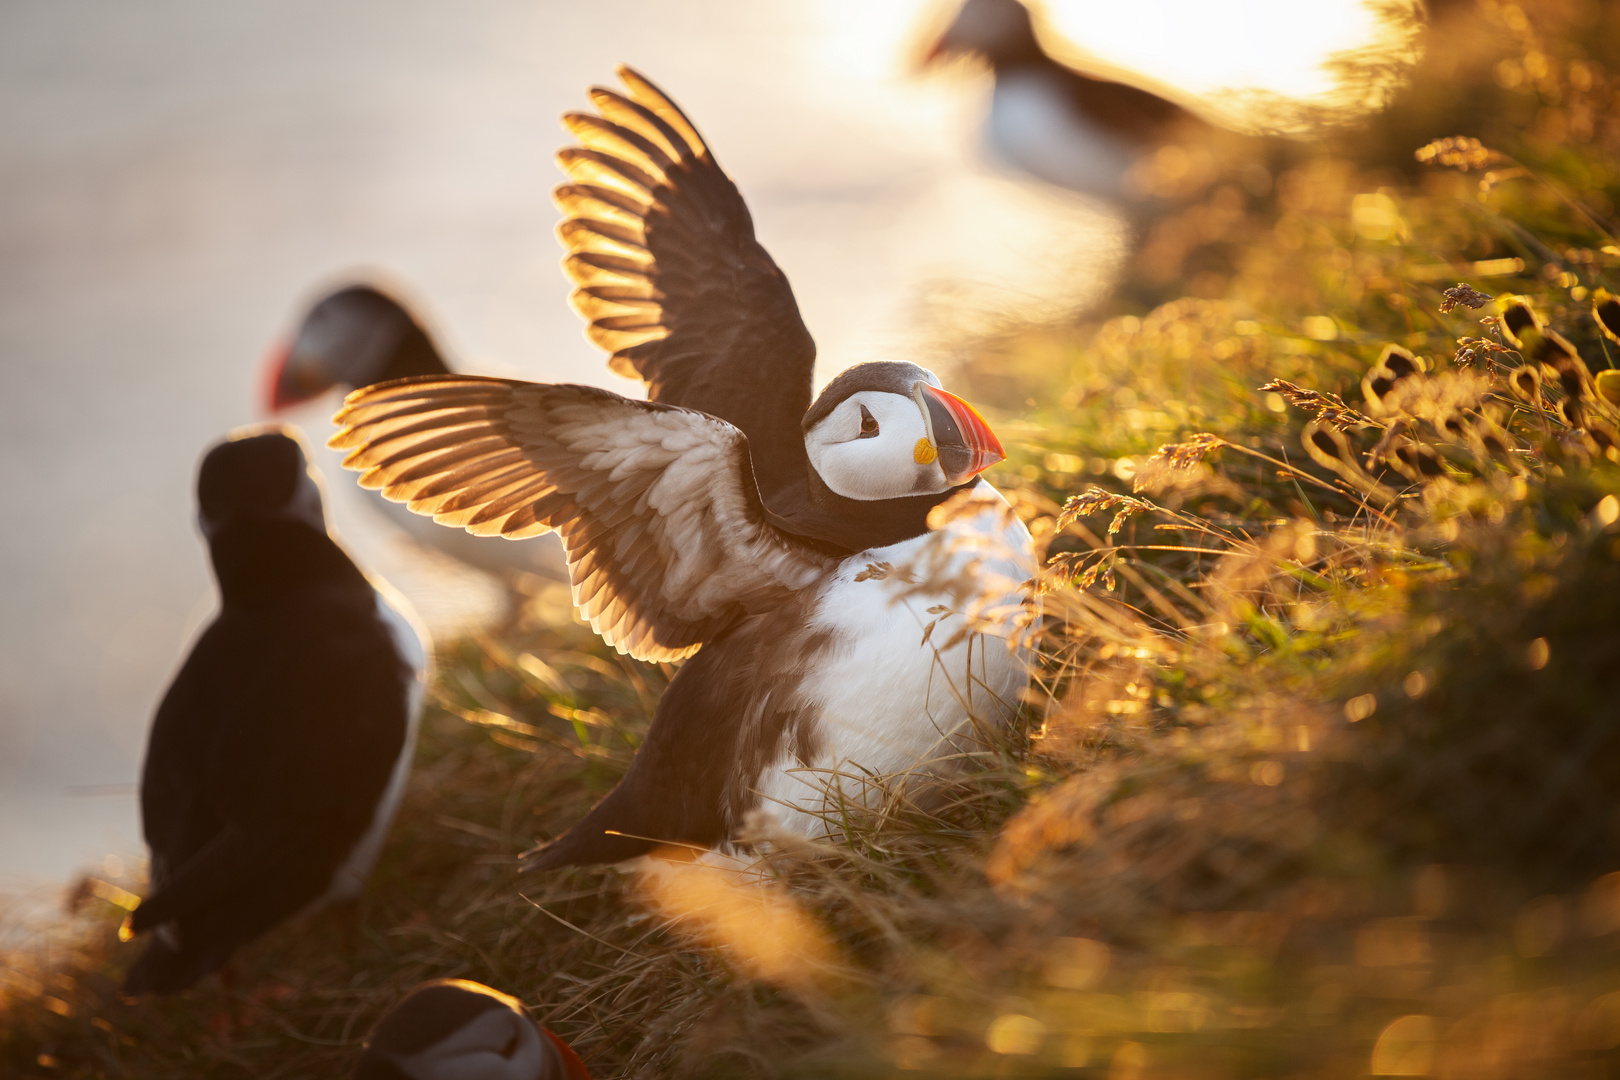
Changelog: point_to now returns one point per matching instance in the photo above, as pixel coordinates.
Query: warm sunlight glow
(1194, 45)
(1275, 45)
(753, 920)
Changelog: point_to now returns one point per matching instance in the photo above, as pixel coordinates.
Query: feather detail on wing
(671, 279)
(666, 537)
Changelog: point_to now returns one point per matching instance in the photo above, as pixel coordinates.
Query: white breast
(410, 641)
(1035, 128)
(887, 702)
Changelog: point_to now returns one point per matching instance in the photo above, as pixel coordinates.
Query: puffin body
(792, 552)
(807, 704)
(1062, 126)
(279, 753)
(455, 1029)
(1034, 127)
(882, 704)
(363, 334)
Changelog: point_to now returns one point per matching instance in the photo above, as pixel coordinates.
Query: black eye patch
(869, 424)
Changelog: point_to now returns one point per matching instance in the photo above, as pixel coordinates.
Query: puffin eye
(511, 1046)
(869, 424)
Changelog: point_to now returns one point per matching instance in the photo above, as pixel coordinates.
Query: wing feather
(636, 117)
(671, 280)
(591, 269)
(622, 142)
(667, 540)
(587, 166)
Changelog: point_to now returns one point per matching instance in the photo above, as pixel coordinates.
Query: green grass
(1318, 772)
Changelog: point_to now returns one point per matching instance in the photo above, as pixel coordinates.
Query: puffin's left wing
(672, 280)
(667, 539)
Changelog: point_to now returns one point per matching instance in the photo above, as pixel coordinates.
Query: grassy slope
(1324, 744)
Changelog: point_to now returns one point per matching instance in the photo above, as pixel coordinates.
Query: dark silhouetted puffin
(453, 1029)
(363, 334)
(280, 751)
(351, 337)
(1068, 128)
(788, 545)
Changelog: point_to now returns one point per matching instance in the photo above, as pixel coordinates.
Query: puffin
(353, 336)
(363, 333)
(456, 1029)
(845, 590)
(1065, 127)
(279, 753)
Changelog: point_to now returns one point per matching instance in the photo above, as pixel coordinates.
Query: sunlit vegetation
(1319, 775)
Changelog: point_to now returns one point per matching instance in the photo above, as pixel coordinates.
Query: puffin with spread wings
(784, 549)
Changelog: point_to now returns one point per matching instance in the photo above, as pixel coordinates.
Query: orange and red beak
(291, 377)
(274, 395)
(573, 1067)
(958, 434)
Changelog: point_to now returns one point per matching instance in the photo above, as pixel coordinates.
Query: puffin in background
(362, 334)
(454, 1029)
(1065, 127)
(799, 554)
(279, 753)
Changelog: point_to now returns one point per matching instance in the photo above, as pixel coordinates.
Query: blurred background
(181, 178)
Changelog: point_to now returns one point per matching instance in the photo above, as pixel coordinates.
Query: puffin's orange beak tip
(983, 448)
(273, 397)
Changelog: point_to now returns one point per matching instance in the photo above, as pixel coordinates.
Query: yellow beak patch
(924, 453)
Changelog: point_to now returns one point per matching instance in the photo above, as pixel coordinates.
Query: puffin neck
(261, 560)
(840, 525)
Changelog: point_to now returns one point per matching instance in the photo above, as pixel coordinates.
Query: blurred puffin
(453, 1029)
(362, 334)
(279, 753)
(1068, 128)
(779, 541)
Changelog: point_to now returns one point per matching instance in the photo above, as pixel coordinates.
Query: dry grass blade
(1328, 407)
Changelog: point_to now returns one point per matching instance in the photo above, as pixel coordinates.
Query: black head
(259, 474)
(999, 31)
(354, 337)
(454, 1028)
(884, 376)
(887, 430)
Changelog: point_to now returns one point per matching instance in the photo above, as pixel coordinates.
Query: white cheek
(863, 470)
(881, 467)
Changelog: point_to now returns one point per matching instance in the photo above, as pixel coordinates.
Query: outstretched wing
(671, 279)
(666, 538)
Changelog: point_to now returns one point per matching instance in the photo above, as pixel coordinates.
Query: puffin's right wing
(671, 279)
(666, 537)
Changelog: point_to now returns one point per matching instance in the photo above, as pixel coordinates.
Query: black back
(354, 337)
(273, 745)
(1129, 113)
(414, 352)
